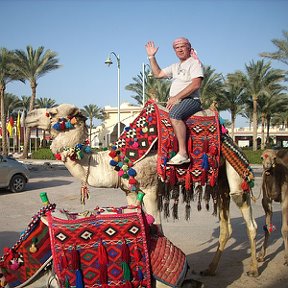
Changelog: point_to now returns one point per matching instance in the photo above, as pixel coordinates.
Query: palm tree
(92, 111)
(157, 89)
(211, 87)
(233, 96)
(282, 53)
(7, 74)
(276, 101)
(33, 64)
(260, 77)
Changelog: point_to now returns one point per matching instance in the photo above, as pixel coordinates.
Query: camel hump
(282, 157)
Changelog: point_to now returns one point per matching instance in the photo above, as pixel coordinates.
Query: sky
(227, 34)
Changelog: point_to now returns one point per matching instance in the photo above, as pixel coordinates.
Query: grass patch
(253, 156)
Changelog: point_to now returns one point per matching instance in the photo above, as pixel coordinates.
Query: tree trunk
(262, 131)
(233, 119)
(267, 142)
(28, 130)
(255, 124)
(3, 122)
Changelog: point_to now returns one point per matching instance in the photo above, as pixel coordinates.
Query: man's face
(182, 51)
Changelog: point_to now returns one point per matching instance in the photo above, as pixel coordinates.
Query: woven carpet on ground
(31, 253)
(108, 248)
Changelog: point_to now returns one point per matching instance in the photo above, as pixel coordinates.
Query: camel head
(268, 158)
(65, 122)
(43, 118)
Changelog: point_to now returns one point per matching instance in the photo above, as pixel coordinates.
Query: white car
(14, 175)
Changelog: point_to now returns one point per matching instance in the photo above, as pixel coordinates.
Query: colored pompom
(112, 154)
(132, 181)
(56, 126)
(68, 125)
(113, 163)
(131, 172)
(57, 156)
(87, 149)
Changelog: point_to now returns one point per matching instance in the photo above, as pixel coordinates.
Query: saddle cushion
(107, 248)
(31, 253)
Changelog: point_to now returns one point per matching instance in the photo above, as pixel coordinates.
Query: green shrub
(43, 153)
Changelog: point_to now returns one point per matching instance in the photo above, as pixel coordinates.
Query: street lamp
(109, 62)
(150, 75)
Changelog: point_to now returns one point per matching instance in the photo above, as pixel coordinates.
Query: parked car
(14, 175)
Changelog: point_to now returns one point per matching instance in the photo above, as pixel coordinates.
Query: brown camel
(275, 188)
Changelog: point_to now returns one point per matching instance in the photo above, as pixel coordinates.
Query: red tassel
(112, 153)
(102, 254)
(103, 261)
(172, 176)
(62, 125)
(75, 259)
(213, 150)
(188, 181)
(245, 186)
(57, 156)
(205, 145)
(212, 180)
(125, 252)
(137, 254)
(203, 177)
(64, 263)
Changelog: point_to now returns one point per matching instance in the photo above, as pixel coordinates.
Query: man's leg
(180, 131)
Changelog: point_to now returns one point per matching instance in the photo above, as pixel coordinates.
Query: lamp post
(150, 75)
(109, 62)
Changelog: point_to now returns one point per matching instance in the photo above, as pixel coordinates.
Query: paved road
(197, 238)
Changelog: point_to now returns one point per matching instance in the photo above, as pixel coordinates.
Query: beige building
(106, 133)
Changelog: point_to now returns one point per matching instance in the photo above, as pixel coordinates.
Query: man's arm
(151, 52)
(188, 90)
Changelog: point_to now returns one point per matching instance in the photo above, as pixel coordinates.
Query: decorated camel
(275, 188)
(69, 132)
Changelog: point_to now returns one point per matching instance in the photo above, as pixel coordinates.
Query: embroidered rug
(106, 248)
(168, 262)
(21, 263)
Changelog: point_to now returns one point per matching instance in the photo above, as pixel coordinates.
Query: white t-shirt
(182, 75)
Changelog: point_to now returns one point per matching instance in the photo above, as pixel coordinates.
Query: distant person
(184, 101)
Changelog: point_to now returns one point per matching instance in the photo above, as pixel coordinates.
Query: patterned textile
(106, 248)
(153, 123)
(168, 262)
(31, 253)
(238, 160)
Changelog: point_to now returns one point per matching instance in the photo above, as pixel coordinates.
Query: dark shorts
(184, 109)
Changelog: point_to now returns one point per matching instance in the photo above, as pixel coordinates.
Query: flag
(10, 126)
(18, 125)
(22, 119)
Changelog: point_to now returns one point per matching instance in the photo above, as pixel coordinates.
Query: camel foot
(191, 283)
(253, 273)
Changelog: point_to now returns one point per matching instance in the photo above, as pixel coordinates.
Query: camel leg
(243, 201)
(284, 229)
(267, 206)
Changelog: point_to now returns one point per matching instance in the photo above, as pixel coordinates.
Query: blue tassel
(87, 149)
(79, 279)
(140, 274)
(68, 125)
(205, 164)
(221, 120)
(56, 126)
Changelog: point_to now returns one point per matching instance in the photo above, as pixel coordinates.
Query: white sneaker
(178, 160)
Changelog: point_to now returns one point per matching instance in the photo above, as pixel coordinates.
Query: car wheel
(17, 183)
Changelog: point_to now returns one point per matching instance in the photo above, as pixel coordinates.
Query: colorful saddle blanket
(31, 253)
(105, 248)
(205, 143)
